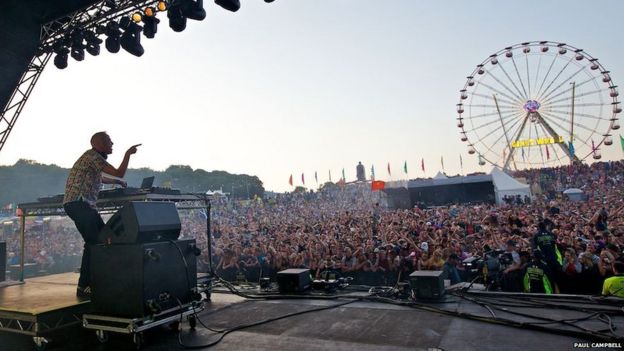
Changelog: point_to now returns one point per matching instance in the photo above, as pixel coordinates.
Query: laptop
(147, 183)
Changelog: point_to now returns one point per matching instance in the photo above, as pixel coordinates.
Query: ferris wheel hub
(532, 106)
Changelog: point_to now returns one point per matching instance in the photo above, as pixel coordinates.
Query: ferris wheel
(538, 104)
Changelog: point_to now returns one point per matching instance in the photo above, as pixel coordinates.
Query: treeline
(28, 180)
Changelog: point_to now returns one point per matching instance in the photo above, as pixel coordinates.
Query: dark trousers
(89, 223)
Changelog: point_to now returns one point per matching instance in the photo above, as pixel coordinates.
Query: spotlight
(230, 5)
(137, 17)
(60, 60)
(131, 40)
(77, 47)
(150, 11)
(93, 43)
(195, 10)
(113, 33)
(162, 6)
(150, 26)
(177, 21)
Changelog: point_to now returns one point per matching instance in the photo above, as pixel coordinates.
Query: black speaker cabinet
(135, 280)
(141, 222)
(3, 261)
(294, 280)
(427, 284)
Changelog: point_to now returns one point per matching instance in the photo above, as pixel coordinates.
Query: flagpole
(572, 119)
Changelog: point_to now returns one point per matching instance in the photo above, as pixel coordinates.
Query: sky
(301, 86)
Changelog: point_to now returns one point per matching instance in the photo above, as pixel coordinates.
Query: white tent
(574, 194)
(505, 185)
(440, 175)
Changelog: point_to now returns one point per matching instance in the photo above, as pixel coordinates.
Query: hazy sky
(299, 86)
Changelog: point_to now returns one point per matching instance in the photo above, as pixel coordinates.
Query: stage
(357, 324)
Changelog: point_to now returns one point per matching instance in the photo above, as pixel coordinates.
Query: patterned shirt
(85, 178)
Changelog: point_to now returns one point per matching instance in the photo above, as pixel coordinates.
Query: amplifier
(135, 280)
(140, 222)
(427, 284)
(293, 280)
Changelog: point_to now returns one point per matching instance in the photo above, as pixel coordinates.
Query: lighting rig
(121, 22)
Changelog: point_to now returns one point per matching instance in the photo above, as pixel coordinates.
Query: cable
(268, 320)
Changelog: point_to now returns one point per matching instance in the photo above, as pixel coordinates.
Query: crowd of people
(543, 244)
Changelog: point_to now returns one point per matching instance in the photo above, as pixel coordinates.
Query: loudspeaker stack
(140, 268)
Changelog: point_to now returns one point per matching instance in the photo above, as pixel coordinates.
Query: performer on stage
(81, 191)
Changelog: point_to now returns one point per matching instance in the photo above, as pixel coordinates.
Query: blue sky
(300, 86)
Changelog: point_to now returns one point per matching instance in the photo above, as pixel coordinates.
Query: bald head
(101, 142)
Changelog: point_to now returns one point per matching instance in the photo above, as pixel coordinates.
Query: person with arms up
(81, 192)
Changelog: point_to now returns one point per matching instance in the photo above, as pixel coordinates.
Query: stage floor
(40, 295)
(357, 326)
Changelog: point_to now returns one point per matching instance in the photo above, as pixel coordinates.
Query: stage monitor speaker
(142, 222)
(3, 261)
(427, 284)
(136, 280)
(294, 280)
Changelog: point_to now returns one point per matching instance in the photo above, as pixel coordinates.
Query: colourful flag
(344, 179)
(405, 167)
(571, 148)
(302, 179)
(330, 176)
(593, 146)
(523, 154)
(378, 185)
(316, 177)
(622, 142)
(422, 164)
(290, 180)
(389, 173)
(442, 162)
(461, 162)
(372, 172)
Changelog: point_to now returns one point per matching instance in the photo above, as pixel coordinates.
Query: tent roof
(440, 175)
(504, 181)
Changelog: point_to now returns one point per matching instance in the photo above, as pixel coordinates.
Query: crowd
(545, 244)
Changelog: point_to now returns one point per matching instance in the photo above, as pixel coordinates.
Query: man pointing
(81, 191)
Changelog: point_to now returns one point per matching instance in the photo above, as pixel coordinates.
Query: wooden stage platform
(41, 305)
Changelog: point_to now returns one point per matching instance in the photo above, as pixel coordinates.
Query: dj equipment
(135, 280)
(141, 222)
(293, 280)
(427, 284)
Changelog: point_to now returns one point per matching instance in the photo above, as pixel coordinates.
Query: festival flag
(316, 177)
(302, 179)
(290, 181)
(330, 176)
(378, 185)
(442, 162)
(422, 164)
(523, 160)
(547, 152)
(622, 142)
(344, 179)
(372, 172)
(593, 148)
(571, 148)
(405, 167)
(389, 173)
(461, 163)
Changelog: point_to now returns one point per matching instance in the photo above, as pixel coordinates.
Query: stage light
(195, 10)
(149, 11)
(150, 26)
(162, 6)
(177, 21)
(93, 43)
(137, 17)
(113, 33)
(77, 47)
(131, 40)
(60, 60)
(230, 5)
